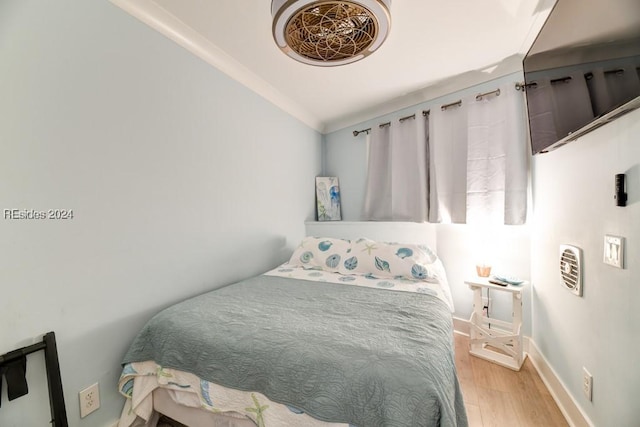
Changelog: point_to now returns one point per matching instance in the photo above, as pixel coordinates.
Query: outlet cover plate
(89, 400)
(587, 384)
(614, 251)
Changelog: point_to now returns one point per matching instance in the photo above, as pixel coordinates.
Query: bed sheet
(438, 286)
(139, 380)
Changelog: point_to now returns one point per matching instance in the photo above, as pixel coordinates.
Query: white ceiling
(433, 44)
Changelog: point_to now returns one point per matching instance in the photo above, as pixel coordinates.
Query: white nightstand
(492, 339)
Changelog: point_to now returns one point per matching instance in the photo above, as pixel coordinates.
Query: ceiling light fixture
(330, 33)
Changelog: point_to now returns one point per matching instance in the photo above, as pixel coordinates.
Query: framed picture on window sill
(328, 198)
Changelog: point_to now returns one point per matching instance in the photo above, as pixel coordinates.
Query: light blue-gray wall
(180, 179)
(573, 196)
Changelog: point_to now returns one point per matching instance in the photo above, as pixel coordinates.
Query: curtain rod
(358, 132)
(617, 71)
(425, 113)
(458, 103)
(482, 95)
(367, 130)
(519, 86)
(524, 86)
(561, 80)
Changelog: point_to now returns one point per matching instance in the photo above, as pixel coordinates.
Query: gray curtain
(397, 179)
(480, 160)
(497, 159)
(377, 199)
(448, 136)
(463, 164)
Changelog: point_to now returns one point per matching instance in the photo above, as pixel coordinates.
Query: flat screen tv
(582, 71)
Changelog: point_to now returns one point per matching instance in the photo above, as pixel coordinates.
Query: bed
(346, 333)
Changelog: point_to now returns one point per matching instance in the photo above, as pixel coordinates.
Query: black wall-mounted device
(620, 196)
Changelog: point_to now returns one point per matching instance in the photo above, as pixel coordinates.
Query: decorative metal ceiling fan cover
(330, 33)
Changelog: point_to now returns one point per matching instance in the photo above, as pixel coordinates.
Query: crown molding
(167, 24)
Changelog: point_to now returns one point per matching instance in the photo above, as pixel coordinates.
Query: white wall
(573, 204)
(180, 180)
(460, 247)
(506, 248)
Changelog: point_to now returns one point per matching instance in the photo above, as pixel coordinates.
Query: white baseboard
(565, 401)
(461, 326)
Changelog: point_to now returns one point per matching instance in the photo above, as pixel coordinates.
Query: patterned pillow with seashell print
(320, 253)
(393, 260)
(366, 257)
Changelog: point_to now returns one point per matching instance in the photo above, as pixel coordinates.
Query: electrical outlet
(486, 303)
(89, 400)
(587, 383)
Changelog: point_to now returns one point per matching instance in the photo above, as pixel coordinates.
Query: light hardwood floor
(500, 397)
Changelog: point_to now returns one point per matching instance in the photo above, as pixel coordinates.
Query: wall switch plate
(587, 383)
(614, 251)
(89, 400)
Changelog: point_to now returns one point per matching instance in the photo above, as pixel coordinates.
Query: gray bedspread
(340, 353)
